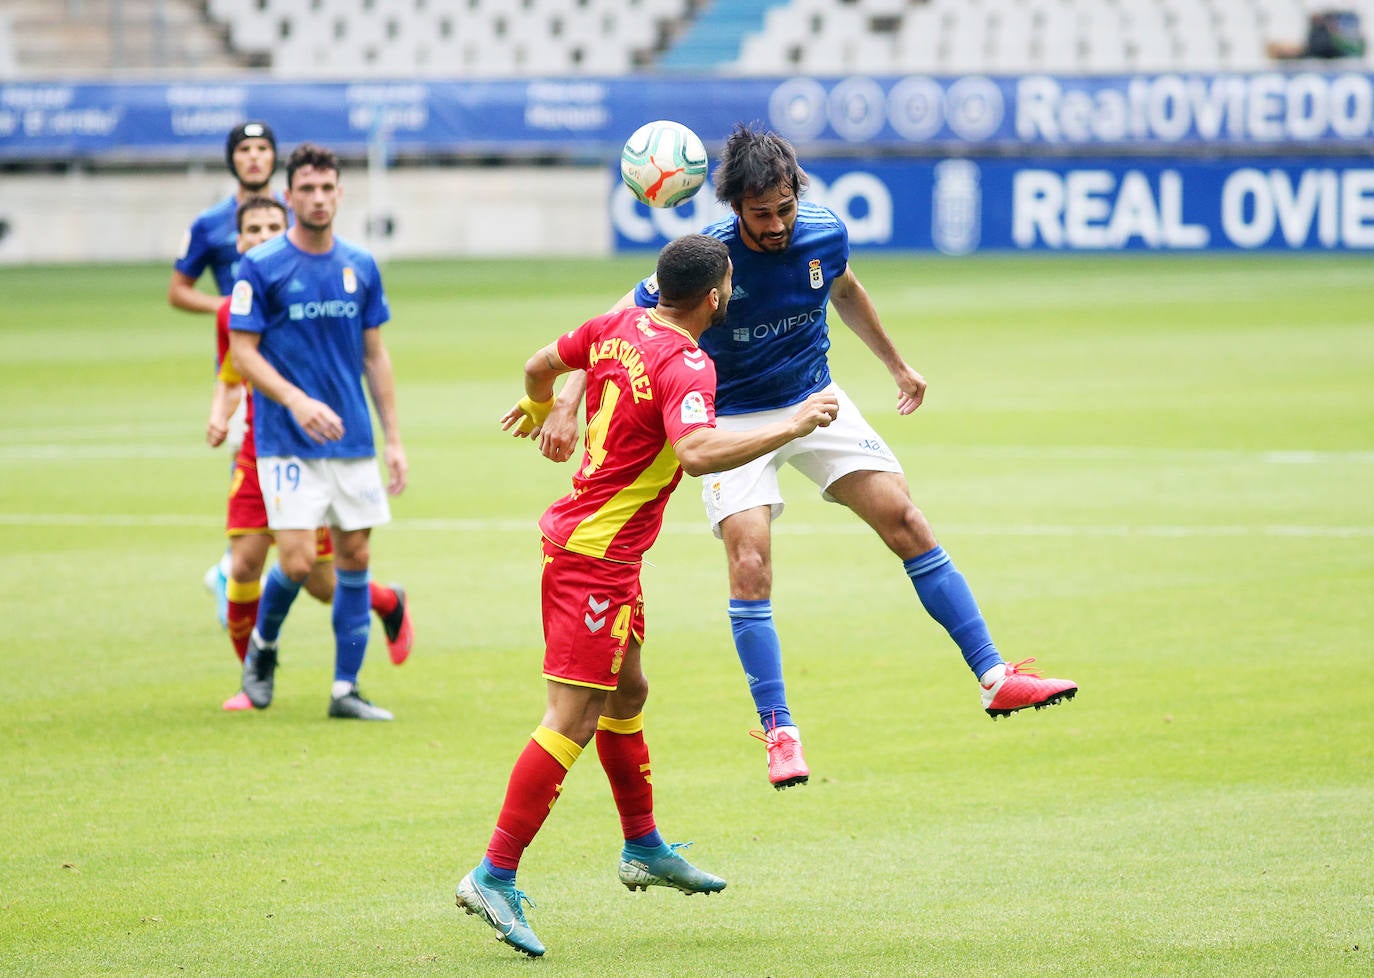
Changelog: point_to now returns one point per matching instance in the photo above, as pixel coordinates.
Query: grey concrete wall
(435, 213)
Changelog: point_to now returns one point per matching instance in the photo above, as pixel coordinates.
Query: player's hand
(558, 434)
(215, 432)
(317, 419)
(911, 389)
(518, 418)
(526, 416)
(397, 468)
(817, 411)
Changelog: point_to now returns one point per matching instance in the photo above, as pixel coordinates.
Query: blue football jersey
(771, 350)
(311, 312)
(212, 242)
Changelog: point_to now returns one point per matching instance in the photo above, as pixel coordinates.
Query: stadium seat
(510, 37)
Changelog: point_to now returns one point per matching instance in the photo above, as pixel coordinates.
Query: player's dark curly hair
(308, 154)
(689, 267)
(754, 161)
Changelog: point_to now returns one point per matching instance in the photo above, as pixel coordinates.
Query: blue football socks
(947, 598)
(651, 841)
(352, 618)
(496, 871)
(760, 653)
(277, 595)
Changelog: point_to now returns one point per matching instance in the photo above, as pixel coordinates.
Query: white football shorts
(848, 444)
(303, 493)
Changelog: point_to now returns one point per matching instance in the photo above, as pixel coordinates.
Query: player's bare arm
(223, 402)
(558, 434)
(381, 384)
(856, 309)
(317, 419)
(708, 450)
(530, 412)
(183, 294)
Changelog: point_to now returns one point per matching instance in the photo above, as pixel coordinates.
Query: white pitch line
(783, 528)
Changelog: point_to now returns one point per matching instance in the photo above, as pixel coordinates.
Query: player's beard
(718, 317)
(255, 188)
(772, 245)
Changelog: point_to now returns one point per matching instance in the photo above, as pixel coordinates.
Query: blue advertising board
(962, 205)
(589, 118)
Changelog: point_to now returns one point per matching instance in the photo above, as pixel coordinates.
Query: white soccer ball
(663, 163)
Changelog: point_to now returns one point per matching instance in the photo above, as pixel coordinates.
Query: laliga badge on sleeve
(816, 280)
(693, 408)
(350, 280)
(241, 299)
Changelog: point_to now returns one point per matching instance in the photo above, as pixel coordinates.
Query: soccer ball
(663, 163)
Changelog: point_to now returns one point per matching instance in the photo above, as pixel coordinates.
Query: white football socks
(993, 676)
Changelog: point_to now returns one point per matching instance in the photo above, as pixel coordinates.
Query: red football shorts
(592, 608)
(248, 513)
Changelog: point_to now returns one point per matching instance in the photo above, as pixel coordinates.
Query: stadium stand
(713, 38)
(1013, 36)
(521, 38)
(468, 38)
(82, 38)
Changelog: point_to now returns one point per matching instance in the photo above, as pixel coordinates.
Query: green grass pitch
(1156, 472)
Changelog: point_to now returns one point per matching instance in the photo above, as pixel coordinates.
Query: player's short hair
(754, 161)
(258, 203)
(313, 156)
(689, 267)
(253, 129)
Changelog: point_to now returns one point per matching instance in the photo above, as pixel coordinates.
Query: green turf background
(1156, 472)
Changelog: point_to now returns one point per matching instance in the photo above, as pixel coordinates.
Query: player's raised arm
(530, 412)
(707, 450)
(557, 433)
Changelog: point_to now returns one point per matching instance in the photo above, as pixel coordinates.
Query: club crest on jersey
(817, 281)
(351, 280)
(693, 409)
(644, 325)
(241, 299)
(695, 359)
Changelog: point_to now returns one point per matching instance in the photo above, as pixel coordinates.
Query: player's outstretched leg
(498, 903)
(1019, 687)
(641, 868)
(786, 765)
